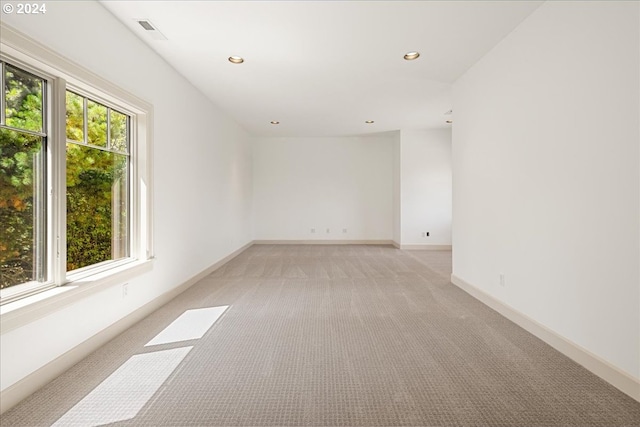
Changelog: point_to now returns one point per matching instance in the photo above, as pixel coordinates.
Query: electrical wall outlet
(328, 231)
(344, 230)
(502, 281)
(125, 290)
(313, 230)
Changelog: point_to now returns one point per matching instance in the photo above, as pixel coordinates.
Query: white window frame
(62, 74)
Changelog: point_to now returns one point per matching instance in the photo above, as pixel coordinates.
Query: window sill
(29, 309)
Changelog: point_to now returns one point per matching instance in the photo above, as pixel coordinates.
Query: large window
(74, 177)
(97, 182)
(23, 144)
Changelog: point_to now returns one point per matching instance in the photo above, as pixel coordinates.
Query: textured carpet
(328, 336)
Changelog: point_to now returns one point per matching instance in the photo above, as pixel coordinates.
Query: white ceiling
(324, 67)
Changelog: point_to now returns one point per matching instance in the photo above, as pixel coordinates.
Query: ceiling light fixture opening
(410, 56)
(275, 122)
(236, 59)
(369, 121)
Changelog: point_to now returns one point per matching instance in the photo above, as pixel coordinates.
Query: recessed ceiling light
(236, 59)
(410, 56)
(275, 122)
(368, 121)
(449, 121)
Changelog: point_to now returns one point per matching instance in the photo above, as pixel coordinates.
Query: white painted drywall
(397, 188)
(546, 175)
(323, 183)
(202, 162)
(426, 186)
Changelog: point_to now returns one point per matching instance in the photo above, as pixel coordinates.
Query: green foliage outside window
(20, 159)
(96, 184)
(18, 154)
(96, 180)
(96, 192)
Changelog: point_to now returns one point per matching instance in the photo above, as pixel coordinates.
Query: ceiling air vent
(150, 29)
(146, 25)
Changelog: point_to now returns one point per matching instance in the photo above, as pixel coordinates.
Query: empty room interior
(356, 213)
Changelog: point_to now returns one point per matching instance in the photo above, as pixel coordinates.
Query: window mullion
(85, 120)
(41, 205)
(108, 128)
(27, 131)
(59, 183)
(2, 99)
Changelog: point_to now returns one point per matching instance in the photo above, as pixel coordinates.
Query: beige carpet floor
(327, 336)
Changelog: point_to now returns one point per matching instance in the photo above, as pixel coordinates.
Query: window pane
(97, 206)
(75, 117)
(22, 208)
(96, 124)
(118, 131)
(23, 95)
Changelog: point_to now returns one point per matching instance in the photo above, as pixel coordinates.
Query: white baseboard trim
(323, 242)
(425, 247)
(17, 392)
(600, 367)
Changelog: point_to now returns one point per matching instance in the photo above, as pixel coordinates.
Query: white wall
(334, 183)
(203, 180)
(397, 189)
(546, 175)
(426, 187)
